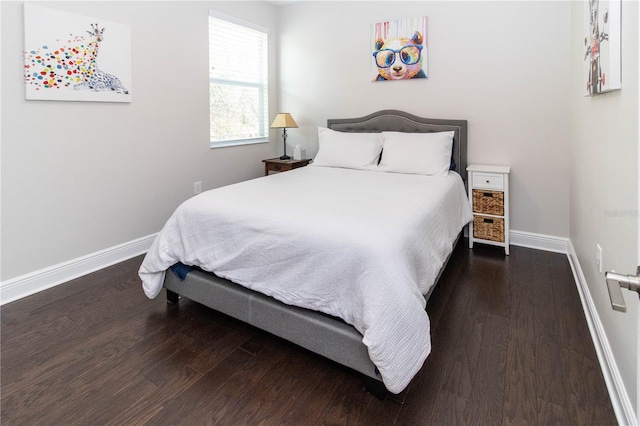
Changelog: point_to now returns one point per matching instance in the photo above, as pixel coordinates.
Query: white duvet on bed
(360, 245)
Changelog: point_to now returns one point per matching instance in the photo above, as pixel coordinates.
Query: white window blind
(238, 82)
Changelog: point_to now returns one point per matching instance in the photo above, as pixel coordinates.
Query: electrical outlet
(599, 257)
(197, 188)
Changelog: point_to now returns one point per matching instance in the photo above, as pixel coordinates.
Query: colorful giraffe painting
(92, 77)
(73, 65)
(66, 68)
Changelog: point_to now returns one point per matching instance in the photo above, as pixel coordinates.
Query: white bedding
(360, 245)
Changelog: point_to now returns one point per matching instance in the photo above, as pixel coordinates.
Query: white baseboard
(539, 241)
(28, 284)
(617, 392)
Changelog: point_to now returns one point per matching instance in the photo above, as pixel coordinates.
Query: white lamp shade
(284, 120)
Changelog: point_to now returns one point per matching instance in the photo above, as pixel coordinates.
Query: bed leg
(172, 297)
(375, 388)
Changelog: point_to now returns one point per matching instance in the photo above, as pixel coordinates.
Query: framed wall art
(70, 57)
(399, 49)
(602, 47)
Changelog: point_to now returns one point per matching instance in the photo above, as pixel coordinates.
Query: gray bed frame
(317, 332)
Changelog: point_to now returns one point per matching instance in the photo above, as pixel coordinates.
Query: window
(238, 84)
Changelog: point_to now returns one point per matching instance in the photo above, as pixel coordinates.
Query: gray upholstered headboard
(400, 121)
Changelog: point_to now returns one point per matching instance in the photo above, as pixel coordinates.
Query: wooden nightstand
(278, 165)
(489, 197)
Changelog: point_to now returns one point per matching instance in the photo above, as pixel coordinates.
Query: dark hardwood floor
(510, 346)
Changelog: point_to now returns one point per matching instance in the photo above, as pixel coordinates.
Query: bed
(308, 266)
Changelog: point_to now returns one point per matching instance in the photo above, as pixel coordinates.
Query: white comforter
(360, 245)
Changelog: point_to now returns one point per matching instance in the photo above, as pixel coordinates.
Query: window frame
(263, 88)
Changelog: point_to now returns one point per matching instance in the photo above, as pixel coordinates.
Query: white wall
(604, 187)
(92, 183)
(503, 66)
(79, 177)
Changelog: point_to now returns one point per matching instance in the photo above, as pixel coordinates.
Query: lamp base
(285, 157)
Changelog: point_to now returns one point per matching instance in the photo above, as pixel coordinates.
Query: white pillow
(417, 153)
(348, 150)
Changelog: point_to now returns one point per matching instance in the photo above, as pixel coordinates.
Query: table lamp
(283, 121)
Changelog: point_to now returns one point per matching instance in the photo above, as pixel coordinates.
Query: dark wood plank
(486, 401)
(291, 388)
(273, 392)
(139, 402)
(23, 368)
(548, 348)
(572, 321)
(584, 402)
(223, 385)
(343, 407)
(97, 383)
(450, 409)
(520, 395)
(312, 402)
(552, 414)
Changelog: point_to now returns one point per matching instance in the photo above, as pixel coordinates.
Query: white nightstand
(489, 197)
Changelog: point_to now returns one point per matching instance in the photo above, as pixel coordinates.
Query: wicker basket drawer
(488, 202)
(488, 228)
